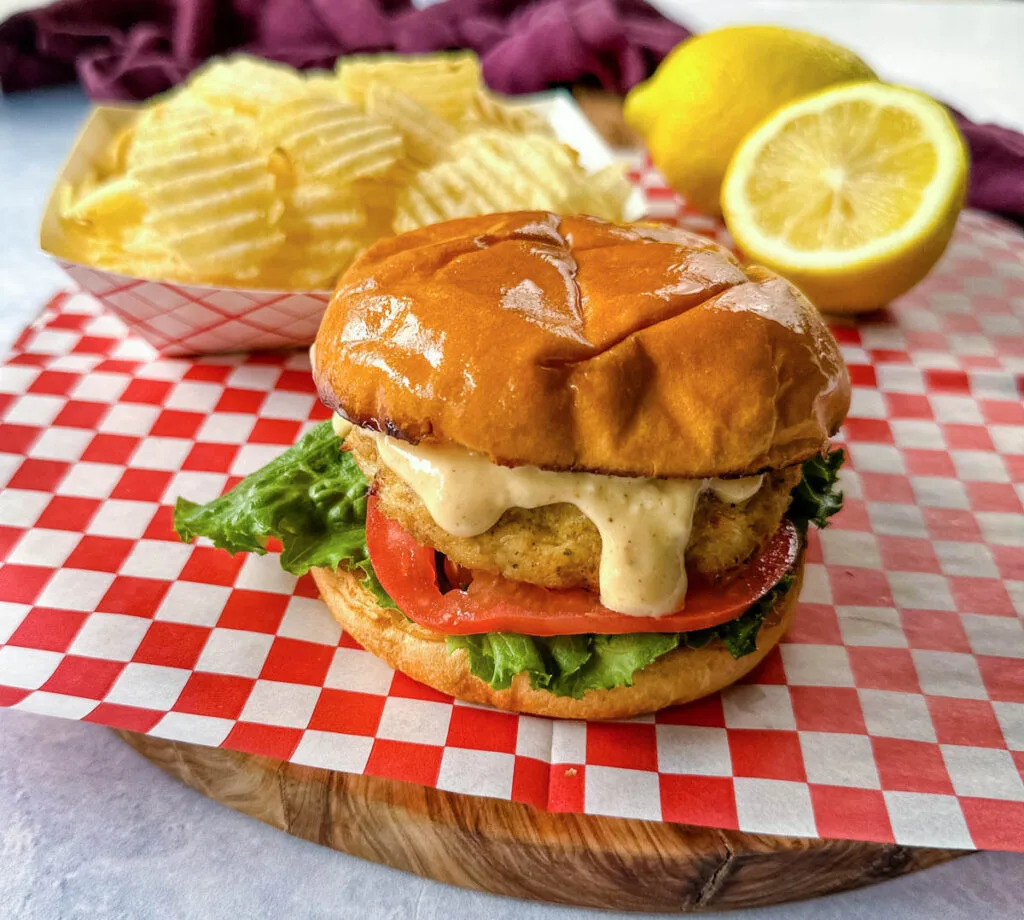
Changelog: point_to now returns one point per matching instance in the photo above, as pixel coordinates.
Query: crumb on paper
(571, 772)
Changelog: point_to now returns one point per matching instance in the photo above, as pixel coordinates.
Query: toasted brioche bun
(575, 344)
(680, 676)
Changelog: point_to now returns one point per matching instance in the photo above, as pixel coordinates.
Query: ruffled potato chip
(443, 83)
(254, 175)
(209, 193)
(491, 171)
(242, 84)
(487, 109)
(427, 137)
(329, 140)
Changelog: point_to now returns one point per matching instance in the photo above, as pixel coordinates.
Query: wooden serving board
(512, 849)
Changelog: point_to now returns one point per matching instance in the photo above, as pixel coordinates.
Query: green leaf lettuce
(313, 500)
(816, 496)
(572, 665)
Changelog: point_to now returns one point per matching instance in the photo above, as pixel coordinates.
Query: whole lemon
(714, 88)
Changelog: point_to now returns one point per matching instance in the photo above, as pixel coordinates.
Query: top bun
(571, 343)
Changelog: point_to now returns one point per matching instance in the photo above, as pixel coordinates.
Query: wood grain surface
(604, 111)
(511, 849)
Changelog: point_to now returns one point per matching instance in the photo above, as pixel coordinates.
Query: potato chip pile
(254, 175)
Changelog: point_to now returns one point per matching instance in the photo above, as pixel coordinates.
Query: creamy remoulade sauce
(644, 523)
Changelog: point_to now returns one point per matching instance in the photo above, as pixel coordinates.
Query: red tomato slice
(491, 603)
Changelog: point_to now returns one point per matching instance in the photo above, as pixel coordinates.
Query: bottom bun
(680, 676)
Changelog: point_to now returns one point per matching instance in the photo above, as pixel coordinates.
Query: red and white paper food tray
(894, 711)
(183, 319)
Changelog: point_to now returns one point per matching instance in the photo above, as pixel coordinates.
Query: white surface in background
(968, 54)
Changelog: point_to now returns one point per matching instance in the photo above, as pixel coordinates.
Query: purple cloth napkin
(997, 168)
(132, 49)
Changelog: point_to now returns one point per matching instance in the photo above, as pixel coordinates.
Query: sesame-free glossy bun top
(574, 344)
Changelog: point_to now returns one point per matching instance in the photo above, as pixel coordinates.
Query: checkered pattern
(182, 319)
(894, 710)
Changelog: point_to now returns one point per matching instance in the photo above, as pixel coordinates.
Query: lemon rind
(939, 195)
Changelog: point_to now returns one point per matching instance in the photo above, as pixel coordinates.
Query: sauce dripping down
(644, 524)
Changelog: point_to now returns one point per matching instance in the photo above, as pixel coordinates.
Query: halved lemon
(852, 192)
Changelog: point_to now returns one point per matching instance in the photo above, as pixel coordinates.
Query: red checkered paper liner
(894, 711)
(184, 319)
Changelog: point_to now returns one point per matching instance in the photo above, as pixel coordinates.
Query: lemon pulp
(714, 88)
(851, 192)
